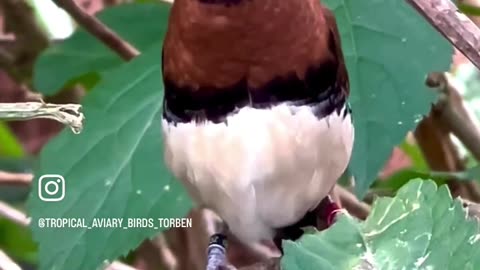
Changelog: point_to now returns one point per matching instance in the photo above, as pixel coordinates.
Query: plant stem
(67, 114)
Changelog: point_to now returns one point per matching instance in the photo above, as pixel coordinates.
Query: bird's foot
(217, 253)
(329, 210)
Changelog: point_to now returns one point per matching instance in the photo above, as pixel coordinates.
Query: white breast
(264, 168)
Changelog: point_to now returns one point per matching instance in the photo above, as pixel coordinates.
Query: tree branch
(453, 25)
(453, 115)
(13, 214)
(99, 30)
(20, 179)
(67, 114)
(350, 202)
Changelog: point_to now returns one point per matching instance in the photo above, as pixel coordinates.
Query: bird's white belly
(263, 168)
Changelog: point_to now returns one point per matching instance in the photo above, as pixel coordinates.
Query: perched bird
(256, 121)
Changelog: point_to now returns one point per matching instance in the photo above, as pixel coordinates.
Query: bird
(256, 120)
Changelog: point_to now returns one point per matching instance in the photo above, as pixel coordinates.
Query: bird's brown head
(251, 47)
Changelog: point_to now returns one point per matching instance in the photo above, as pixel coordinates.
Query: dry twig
(20, 179)
(99, 30)
(452, 113)
(67, 114)
(433, 135)
(352, 204)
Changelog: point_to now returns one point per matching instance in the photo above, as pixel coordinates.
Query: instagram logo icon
(51, 188)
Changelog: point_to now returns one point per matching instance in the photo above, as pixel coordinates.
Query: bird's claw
(330, 210)
(217, 253)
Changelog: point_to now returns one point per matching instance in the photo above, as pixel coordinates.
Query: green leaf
(389, 50)
(9, 145)
(113, 169)
(400, 178)
(421, 228)
(67, 63)
(17, 241)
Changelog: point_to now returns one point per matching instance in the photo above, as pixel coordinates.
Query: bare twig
(6, 263)
(453, 115)
(13, 214)
(99, 30)
(21, 219)
(119, 266)
(67, 114)
(453, 25)
(352, 204)
(20, 179)
(433, 139)
(433, 135)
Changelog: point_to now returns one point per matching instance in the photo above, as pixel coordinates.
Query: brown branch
(453, 114)
(99, 30)
(433, 135)
(352, 204)
(21, 179)
(453, 25)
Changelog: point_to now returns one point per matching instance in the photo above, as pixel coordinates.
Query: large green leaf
(113, 169)
(82, 55)
(421, 228)
(389, 50)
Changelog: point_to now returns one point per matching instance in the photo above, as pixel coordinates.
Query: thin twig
(119, 266)
(67, 114)
(13, 214)
(352, 204)
(449, 116)
(6, 263)
(21, 219)
(20, 179)
(453, 25)
(99, 30)
(453, 115)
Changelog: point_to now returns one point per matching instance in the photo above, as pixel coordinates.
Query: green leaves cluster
(421, 228)
(114, 168)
